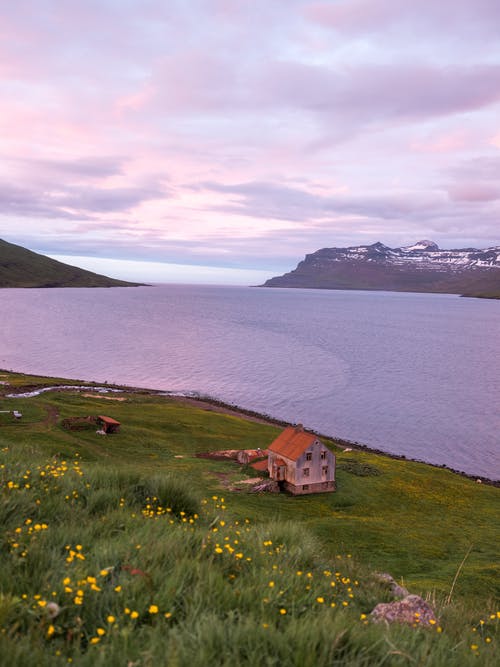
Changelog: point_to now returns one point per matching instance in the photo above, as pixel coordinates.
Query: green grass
(20, 267)
(162, 537)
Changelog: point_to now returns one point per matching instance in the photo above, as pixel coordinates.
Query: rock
(411, 610)
(397, 590)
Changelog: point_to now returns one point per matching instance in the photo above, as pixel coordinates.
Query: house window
(324, 470)
(323, 454)
(309, 456)
(305, 472)
(305, 487)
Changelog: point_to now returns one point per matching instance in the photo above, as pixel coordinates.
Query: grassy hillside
(23, 268)
(128, 549)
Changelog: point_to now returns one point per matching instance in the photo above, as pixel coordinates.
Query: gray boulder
(411, 610)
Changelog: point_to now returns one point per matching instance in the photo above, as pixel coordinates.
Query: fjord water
(411, 374)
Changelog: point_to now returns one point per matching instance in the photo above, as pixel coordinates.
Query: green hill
(20, 267)
(128, 549)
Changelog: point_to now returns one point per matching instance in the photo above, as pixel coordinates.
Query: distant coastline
(422, 268)
(23, 268)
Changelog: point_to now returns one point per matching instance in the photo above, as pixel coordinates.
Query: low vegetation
(128, 549)
(20, 267)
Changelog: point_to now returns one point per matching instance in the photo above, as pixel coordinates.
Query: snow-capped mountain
(421, 267)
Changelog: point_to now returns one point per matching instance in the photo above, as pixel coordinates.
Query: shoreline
(238, 411)
(215, 405)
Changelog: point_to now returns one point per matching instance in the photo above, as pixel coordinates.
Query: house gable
(292, 442)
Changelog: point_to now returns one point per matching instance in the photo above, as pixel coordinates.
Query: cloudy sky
(221, 140)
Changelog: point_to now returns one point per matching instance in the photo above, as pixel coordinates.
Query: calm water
(412, 374)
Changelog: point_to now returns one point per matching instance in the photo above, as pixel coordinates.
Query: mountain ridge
(20, 267)
(421, 267)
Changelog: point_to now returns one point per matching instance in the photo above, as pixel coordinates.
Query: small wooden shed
(108, 424)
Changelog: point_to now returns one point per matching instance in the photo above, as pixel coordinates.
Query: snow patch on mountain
(422, 245)
(421, 255)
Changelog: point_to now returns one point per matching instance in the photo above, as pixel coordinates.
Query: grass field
(143, 556)
(20, 267)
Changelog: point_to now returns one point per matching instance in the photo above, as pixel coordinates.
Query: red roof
(259, 465)
(292, 442)
(108, 420)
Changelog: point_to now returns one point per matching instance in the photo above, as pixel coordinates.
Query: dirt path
(52, 415)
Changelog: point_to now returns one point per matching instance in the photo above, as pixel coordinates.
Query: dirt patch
(253, 480)
(52, 415)
(106, 398)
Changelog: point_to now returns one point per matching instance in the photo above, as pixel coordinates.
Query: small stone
(397, 590)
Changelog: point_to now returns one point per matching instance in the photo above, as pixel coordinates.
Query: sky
(222, 140)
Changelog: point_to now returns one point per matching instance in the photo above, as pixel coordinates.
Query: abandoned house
(108, 424)
(301, 463)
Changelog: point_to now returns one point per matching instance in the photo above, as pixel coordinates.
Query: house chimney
(299, 428)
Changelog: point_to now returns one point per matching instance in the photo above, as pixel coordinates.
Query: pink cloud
(307, 118)
(475, 180)
(475, 192)
(373, 92)
(449, 18)
(441, 143)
